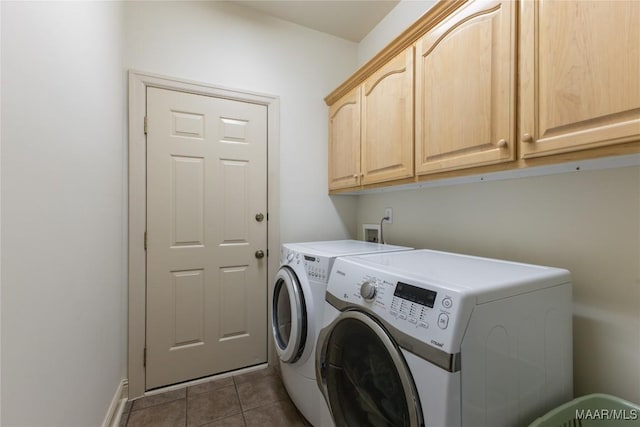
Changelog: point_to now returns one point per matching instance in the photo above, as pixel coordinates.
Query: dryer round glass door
(364, 375)
(289, 316)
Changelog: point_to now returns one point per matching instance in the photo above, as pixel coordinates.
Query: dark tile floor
(254, 399)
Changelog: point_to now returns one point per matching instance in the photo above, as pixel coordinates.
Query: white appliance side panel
(303, 392)
(517, 358)
(438, 391)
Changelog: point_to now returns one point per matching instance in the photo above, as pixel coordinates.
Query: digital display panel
(309, 258)
(415, 294)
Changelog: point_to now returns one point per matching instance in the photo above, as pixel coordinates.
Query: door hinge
(145, 125)
(145, 240)
(144, 357)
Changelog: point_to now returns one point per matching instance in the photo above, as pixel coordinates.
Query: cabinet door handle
(502, 143)
(355, 175)
(527, 137)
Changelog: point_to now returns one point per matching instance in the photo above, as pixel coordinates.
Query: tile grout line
(186, 407)
(235, 386)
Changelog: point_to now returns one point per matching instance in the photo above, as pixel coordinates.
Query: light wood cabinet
(495, 86)
(371, 128)
(465, 89)
(387, 121)
(344, 141)
(579, 75)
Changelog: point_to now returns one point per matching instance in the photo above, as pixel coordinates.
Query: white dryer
(427, 338)
(298, 299)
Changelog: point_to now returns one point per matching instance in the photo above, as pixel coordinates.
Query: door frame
(138, 83)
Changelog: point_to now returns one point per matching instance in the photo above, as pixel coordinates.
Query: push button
(447, 302)
(443, 321)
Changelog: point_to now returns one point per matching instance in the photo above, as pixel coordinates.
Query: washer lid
(486, 279)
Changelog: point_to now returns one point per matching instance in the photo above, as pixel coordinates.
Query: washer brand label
(340, 273)
(439, 344)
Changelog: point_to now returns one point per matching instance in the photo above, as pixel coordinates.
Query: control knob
(368, 290)
(290, 256)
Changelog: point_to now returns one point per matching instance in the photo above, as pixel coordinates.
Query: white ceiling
(348, 19)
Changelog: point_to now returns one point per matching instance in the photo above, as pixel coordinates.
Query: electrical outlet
(388, 212)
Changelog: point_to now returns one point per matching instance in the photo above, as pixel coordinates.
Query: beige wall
(228, 45)
(397, 20)
(587, 222)
(63, 192)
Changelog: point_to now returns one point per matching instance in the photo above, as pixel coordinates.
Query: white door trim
(138, 83)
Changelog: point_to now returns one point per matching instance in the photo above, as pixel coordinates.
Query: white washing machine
(298, 299)
(427, 338)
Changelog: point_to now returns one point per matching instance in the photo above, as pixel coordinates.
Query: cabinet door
(580, 75)
(465, 89)
(344, 141)
(387, 121)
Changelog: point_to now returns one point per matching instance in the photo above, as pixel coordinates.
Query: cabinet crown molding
(426, 22)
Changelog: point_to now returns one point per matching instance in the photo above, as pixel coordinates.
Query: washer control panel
(316, 267)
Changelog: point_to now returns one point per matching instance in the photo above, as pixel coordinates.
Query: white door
(206, 235)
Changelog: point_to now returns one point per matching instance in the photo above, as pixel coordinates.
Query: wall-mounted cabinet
(371, 128)
(579, 75)
(344, 141)
(387, 121)
(465, 89)
(499, 85)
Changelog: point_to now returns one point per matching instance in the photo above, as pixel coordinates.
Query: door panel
(234, 301)
(206, 181)
(187, 187)
(235, 199)
(188, 290)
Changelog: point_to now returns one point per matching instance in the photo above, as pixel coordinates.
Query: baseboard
(114, 413)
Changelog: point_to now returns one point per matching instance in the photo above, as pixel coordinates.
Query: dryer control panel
(429, 312)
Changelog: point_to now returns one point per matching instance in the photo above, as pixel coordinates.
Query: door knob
(259, 254)
(527, 137)
(259, 217)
